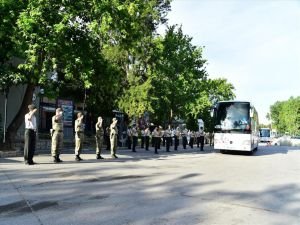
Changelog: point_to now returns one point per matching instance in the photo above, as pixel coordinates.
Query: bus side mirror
(251, 112)
(212, 112)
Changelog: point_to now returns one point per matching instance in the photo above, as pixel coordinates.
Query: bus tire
(251, 152)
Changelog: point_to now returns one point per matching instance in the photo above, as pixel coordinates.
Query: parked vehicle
(287, 140)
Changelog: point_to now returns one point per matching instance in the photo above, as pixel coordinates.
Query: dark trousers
(164, 141)
(129, 142)
(168, 142)
(198, 142)
(201, 142)
(184, 142)
(176, 143)
(134, 142)
(159, 142)
(191, 142)
(29, 145)
(156, 143)
(147, 142)
(142, 141)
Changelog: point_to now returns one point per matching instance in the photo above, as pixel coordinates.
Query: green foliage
(87, 43)
(108, 53)
(169, 80)
(9, 12)
(285, 116)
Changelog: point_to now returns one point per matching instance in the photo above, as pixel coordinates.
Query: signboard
(68, 109)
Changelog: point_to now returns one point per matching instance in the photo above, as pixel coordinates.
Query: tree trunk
(19, 117)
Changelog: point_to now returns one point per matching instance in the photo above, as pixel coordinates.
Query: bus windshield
(265, 132)
(232, 116)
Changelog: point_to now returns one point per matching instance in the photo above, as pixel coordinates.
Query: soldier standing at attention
(113, 138)
(134, 138)
(99, 138)
(147, 138)
(57, 134)
(156, 137)
(197, 135)
(160, 135)
(142, 133)
(201, 138)
(184, 138)
(167, 135)
(129, 137)
(79, 135)
(30, 135)
(176, 138)
(192, 137)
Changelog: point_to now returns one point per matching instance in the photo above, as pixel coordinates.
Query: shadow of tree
(137, 191)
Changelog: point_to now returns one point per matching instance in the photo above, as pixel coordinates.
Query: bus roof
(234, 101)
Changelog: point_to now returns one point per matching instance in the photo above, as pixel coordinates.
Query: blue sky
(255, 44)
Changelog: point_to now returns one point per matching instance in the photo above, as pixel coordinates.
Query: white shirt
(30, 123)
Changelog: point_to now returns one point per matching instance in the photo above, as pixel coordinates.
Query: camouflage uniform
(113, 138)
(99, 139)
(57, 135)
(167, 134)
(134, 138)
(176, 137)
(79, 137)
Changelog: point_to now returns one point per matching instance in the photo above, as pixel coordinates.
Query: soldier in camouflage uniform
(176, 137)
(79, 136)
(57, 135)
(168, 137)
(134, 138)
(184, 138)
(99, 138)
(113, 138)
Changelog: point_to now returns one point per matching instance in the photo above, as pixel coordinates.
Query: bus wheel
(250, 153)
(223, 151)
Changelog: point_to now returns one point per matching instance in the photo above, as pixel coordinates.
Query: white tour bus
(265, 135)
(235, 126)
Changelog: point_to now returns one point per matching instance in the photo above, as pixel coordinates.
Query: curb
(10, 154)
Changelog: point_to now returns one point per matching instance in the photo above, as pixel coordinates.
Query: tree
(285, 116)
(171, 81)
(9, 12)
(73, 39)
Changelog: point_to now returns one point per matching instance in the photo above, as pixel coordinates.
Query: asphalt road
(184, 187)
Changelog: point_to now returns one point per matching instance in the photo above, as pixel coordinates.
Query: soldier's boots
(114, 156)
(77, 158)
(56, 159)
(98, 156)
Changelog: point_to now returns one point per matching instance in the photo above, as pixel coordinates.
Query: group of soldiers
(157, 136)
(166, 136)
(57, 136)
